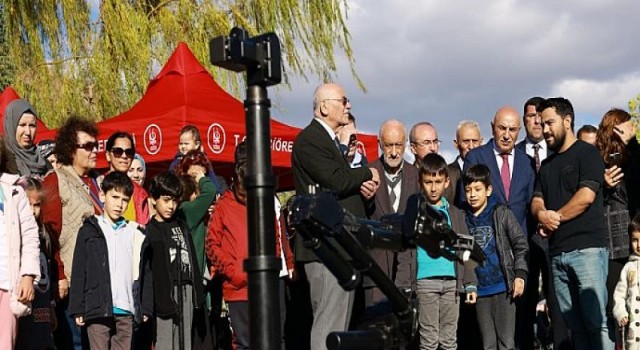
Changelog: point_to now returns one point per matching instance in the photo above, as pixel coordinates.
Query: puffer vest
(76, 207)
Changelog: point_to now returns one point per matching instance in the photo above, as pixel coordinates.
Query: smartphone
(614, 158)
(352, 139)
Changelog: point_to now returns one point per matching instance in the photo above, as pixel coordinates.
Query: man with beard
(568, 204)
(512, 172)
(535, 147)
(467, 138)
(397, 183)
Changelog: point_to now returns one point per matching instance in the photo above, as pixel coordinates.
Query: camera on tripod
(339, 240)
(259, 56)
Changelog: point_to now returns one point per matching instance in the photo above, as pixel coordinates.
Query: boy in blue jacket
(501, 279)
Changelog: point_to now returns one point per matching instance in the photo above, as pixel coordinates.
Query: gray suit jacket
(455, 173)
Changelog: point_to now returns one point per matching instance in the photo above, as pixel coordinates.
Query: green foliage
(70, 57)
(6, 68)
(634, 106)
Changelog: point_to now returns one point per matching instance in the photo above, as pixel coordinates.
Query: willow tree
(6, 69)
(96, 57)
(634, 106)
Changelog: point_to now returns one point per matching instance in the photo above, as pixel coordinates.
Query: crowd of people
(116, 260)
(554, 215)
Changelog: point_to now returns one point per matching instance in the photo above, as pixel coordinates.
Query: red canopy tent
(6, 97)
(185, 93)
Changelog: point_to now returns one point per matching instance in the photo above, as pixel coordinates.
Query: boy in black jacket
(107, 268)
(177, 282)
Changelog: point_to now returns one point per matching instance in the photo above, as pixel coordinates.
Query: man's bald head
(506, 125)
(424, 139)
(331, 105)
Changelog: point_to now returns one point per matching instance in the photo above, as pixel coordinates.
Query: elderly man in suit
(317, 160)
(512, 175)
(512, 171)
(397, 182)
(467, 138)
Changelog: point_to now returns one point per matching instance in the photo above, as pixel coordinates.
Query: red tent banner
(6, 97)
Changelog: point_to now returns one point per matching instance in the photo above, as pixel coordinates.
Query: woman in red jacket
(227, 248)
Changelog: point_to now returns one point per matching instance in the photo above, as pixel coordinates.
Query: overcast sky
(445, 61)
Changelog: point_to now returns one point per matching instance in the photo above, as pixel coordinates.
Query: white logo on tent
(216, 138)
(152, 139)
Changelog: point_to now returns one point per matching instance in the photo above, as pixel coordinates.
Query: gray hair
(390, 122)
(467, 124)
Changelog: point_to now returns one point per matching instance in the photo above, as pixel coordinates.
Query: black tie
(392, 193)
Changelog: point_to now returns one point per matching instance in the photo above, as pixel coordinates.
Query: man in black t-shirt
(567, 202)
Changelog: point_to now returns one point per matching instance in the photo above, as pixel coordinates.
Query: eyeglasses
(119, 151)
(88, 146)
(428, 143)
(344, 100)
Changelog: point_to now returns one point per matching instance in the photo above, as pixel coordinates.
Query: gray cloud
(444, 61)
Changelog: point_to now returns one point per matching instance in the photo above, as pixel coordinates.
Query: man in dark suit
(467, 138)
(317, 160)
(398, 180)
(533, 144)
(512, 181)
(512, 175)
(536, 148)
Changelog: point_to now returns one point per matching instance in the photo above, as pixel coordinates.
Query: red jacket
(227, 245)
(141, 201)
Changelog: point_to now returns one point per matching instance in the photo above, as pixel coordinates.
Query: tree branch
(53, 63)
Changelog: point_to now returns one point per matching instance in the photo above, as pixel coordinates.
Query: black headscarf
(28, 160)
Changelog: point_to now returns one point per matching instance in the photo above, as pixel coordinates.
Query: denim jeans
(579, 278)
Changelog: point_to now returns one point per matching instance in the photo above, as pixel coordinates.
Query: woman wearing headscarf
(138, 170)
(20, 134)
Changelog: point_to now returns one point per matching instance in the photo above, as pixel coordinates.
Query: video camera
(259, 56)
(332, 232)
(420, 225)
